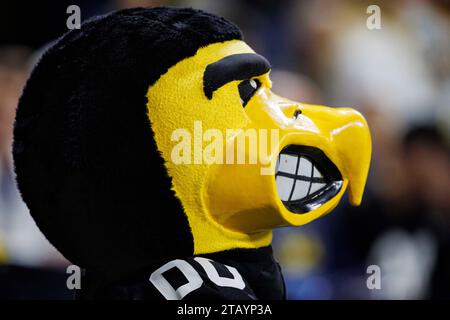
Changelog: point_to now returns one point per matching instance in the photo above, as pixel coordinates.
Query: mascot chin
(134, 149)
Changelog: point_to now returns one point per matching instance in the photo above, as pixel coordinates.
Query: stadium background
(321, 52)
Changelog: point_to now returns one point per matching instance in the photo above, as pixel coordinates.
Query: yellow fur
(233, 205)
(176, 101)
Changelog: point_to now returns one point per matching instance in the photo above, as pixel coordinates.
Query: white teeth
(253, 83)
(284, 187)
(288, 163)
(316, 186)
(301, 190)
(304, 168)
(317, 173)
(291, 189)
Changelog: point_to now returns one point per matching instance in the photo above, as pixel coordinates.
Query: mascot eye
(247, 89)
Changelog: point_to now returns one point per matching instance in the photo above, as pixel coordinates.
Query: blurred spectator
(406, 234)
(428, 164)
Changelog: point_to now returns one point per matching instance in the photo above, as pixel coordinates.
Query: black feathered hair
(85, 158)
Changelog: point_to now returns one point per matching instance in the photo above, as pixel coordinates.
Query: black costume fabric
(261, 274)
(85, 157)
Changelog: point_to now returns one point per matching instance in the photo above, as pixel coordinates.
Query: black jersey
(240, 274)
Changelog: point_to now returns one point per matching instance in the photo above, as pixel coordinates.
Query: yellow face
(244, 160)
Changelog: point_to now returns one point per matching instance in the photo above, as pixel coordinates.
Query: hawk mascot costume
(135, 149)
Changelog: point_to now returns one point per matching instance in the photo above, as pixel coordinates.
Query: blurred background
(322, 53)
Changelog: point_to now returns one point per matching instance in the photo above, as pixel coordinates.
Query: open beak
(320, 151)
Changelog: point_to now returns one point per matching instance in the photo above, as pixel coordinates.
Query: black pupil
(247, 89)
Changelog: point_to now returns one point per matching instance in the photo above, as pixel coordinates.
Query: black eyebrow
(234, 67)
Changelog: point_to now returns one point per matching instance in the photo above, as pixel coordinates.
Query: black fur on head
(85, 157)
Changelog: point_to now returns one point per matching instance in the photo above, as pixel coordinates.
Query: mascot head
(154, 133)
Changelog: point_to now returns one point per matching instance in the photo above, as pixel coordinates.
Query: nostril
(296, 114)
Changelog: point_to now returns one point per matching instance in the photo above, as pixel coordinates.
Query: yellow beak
(244, 197)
